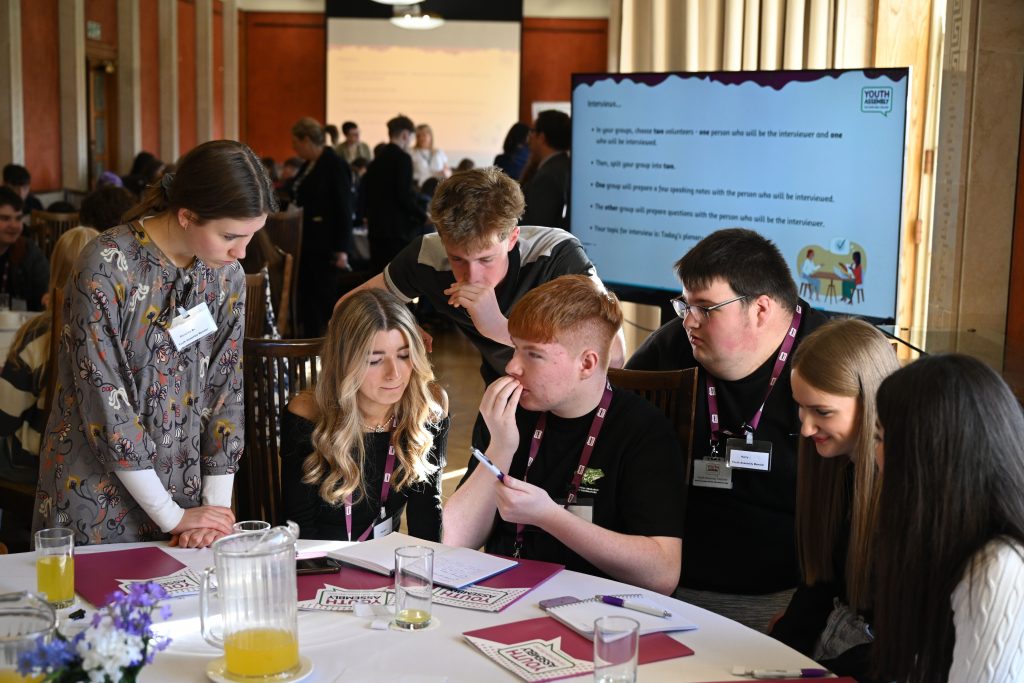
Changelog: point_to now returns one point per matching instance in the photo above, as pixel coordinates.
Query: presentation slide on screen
(811, 160)
(461, 78)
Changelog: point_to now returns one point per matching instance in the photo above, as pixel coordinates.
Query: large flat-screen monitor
(812, 160)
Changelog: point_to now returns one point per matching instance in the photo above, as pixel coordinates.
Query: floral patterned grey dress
(126, 399)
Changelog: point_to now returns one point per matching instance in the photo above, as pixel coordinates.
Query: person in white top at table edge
(949, 555)
(147, 425)
(593, 474)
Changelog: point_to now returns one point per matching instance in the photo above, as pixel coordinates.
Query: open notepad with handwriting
(453, 567)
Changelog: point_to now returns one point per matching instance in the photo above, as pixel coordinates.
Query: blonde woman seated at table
(375, 410)
(23, 399)
(836, 372)
(949, 579)
(146, 429)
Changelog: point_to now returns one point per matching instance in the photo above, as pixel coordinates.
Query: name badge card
(383, 529)
(189, 327)
(752, 455)
(712, 473)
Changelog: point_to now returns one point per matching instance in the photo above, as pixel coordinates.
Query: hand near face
(520, 502)
(482, 306)
(498, 407)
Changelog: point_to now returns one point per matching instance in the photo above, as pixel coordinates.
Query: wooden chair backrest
(674, 392)
(274, 370)
(47, 227)
(284, 229)
(255, 304)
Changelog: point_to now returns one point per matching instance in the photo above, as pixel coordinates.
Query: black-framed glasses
(700, 313)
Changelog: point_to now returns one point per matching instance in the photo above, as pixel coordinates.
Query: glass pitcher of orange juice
(24, 617)
(256, 588)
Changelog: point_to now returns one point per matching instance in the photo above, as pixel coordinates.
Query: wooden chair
(263, 253)
(274, 370)
(47, 227)
(674, 392)
(285, 231)
(255, 304)
(56, 314)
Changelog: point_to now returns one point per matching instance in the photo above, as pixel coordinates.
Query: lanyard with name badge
(588, 450)
(745, 453)
(385, 490)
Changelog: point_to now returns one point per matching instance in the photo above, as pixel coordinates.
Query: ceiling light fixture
(413, 17)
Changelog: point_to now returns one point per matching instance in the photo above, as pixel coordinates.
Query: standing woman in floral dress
(146, 428)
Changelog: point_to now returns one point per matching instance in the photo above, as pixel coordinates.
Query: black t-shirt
(541, 254)
(317, 519)
(740, 540)
(631, 484)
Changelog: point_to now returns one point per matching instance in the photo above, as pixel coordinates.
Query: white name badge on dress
(753, 455)
(190, 326)
(383, 529)
(712, 474)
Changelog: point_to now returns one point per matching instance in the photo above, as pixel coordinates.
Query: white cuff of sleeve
(150, 494)
(217, 489)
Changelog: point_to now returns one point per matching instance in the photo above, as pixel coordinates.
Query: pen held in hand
(486, 462)
(636, 606)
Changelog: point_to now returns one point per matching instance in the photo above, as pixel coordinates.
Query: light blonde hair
(66, 252)
(843, 358)
(339, 453)
(425, 128)
(572, 310)
(473, 208)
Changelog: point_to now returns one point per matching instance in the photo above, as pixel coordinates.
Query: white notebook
(580, 616)
(453, 567)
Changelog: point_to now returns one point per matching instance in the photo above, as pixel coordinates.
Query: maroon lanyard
(588, 450)
(780, 362)
(385, 489)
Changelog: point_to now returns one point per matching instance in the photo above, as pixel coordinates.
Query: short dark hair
(515, 138)
(556, 127)
(104, 207)
(9, 197)
(16, 176)
(348, 126)
(399, 125)
(751, 264)
(952, 476)
(331, 131)
(217, 179)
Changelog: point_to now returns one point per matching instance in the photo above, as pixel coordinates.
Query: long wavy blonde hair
(843, 358)
(339, 452)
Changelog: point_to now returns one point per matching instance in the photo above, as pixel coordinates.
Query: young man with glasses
(741, 321)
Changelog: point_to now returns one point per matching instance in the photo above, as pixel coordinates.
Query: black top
(631, 483)
(325, 194)
(541, 254)
(393, 216)
(25, 273)
(547, 193)
(317, 519)
(740, 540)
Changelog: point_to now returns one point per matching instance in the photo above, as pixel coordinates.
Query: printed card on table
(180, 583)
(480, 598)
(335, 599)
(544, 649)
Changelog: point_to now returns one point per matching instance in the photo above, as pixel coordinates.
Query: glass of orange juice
(55, 566)
(24, 617)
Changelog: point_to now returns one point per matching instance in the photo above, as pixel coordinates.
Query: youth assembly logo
(876, 100)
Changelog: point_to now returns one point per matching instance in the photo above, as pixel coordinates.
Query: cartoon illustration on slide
(820, 268)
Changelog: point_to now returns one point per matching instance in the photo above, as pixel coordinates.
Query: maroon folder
(96, 574)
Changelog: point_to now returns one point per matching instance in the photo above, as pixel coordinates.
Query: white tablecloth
(344, 648)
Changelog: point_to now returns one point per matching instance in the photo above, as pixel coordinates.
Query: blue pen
(486, 462)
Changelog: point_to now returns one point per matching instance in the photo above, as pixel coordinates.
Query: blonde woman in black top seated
(375, 402)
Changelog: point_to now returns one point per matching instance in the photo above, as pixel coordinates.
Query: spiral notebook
(580, 616)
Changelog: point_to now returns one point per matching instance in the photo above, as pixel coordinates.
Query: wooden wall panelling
(1013, 368)
(186, 76)
(218, 70)
(285, 77)
(149, 77)
(41, 85)
(552, 50)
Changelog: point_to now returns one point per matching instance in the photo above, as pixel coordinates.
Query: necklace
(378, 428)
